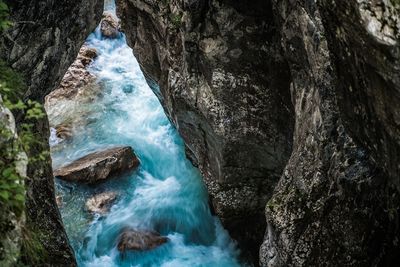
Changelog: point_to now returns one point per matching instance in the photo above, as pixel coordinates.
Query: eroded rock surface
(99, 166)
(76, 78)
(65, 106)
(109, 25)
(224, 84)
(244, 80)
(140, 240)
(337, 203)
(101, 203)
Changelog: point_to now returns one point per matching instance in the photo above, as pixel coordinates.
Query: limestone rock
(101, 203)
(223, 82)
(66, 103)
(75, 79)
(59, 201)
(99, 166)
(329, 208)
(140, 240)
(301, 92)
(109, 25)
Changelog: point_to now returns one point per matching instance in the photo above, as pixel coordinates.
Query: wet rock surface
(99, 166)
(140, 240)
(101, 203)
(64, 131)
(76, 78)
(109, 25)
(65, 106)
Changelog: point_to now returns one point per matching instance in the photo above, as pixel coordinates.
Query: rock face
(337, 203)
(292, 89)
(41, 45)
(109, 26)
(140, 240)
(66, 104)
(99, 166)
(11, 221)
(218, 71)
(76, 78)
(304, 92)
(101, 203)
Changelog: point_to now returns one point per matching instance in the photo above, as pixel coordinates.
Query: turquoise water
(165, 194)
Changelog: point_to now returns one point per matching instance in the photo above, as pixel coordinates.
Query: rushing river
(165, 194)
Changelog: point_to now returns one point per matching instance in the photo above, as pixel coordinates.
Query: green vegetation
(13, 160)
(176, 20)
(4, 22)
(32, 249)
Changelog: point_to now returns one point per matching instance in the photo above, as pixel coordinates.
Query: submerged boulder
(140, 240)
(109, 25)
(59, 200)
(87, 55)
(101, 203)
(99, 166)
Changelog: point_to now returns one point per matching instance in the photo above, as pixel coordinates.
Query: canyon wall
(290, 109)
(295, 91)
(42, 43)
(218, 70)
(337, 203)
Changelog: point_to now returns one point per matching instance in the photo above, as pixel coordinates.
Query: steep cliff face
(43, 42)
(223, 71)
(217, 69)
(337, 203)
(364, 38)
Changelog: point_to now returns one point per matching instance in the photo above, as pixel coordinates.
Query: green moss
(395, 2)
(11, 185)
(176, 20)
(4, 22)
(17, 243)
(32, 251)
(273, 204)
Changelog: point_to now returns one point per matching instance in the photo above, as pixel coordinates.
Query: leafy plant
(4, 22)
(13, 144)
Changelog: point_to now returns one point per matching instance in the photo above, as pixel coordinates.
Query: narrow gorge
(200, 133)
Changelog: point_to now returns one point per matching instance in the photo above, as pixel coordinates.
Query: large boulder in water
(99, 166)
(131, 239)
(101, 203)
(109, 25)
